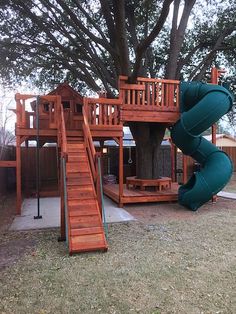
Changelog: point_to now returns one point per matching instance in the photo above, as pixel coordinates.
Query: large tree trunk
(148, 137)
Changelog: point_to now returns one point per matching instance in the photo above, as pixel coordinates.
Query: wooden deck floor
(136, 196)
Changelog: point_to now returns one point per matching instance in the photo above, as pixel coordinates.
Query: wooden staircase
(84, 223)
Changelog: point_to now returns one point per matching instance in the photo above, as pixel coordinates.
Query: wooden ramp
(84, 222)
(133, 195)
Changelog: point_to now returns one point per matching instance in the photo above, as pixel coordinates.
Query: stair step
(73, 147)
(77, 167)
(79, 248)
(75, 138)
(77, 158)
(77, 175)
(83, 211)
(89, 239)
(80, 188)
(73, 203)
(84, 222)
(76, 145)
(78, 181)
(85, 231)
(77, 194)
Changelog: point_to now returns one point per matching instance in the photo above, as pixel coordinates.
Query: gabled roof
(219, 136)
(66, 90)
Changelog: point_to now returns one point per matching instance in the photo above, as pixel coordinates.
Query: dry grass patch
(172, 266)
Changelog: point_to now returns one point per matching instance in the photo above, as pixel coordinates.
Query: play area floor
(50, 211)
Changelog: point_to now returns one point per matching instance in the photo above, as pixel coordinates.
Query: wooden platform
(132, 195)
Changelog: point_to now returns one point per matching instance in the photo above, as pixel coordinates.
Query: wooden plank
(7, 164)
(150, 116)
(146, 79)
(86, 231)
(185, 169)
(108, 101)
(137, 87)
(137, 196)
(80, 204)
(121, 170)
(33, 132)
(75, 168)
(78, 248)
(106, 127)
(18, 176)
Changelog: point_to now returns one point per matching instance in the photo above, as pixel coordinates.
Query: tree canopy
(90, 43)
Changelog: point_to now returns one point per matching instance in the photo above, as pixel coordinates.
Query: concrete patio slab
(227, 195)
(50, 211)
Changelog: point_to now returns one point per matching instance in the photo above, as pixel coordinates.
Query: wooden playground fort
(74, 123)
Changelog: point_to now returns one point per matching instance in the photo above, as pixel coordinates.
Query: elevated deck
(150, 100)
(132, 195)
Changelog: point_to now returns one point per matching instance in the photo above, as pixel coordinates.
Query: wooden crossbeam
(7, 163)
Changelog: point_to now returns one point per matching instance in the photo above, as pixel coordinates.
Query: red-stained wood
(8, 164)
(137, 196)
(159, 184)
(121, 171)
(185, 169)
(173, 160)
(18, 176)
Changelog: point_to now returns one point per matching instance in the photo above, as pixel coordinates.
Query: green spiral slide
(201, 106)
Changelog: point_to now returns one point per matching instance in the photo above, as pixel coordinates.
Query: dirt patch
(13, 246)
(13, 250)
(7, 211)
(160, 212)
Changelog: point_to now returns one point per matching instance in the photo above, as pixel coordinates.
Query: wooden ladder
(84, 222)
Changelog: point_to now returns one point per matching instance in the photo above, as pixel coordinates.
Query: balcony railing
(150, 94)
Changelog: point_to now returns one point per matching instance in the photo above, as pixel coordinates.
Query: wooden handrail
(92, 155)
(147, 79)
(89, 145)
(62, 131)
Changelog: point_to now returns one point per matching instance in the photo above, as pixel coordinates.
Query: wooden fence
(230, 151)
(48, 168)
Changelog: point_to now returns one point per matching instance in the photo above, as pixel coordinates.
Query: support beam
(185, 170)
(27, 169)
(18, 176)
(63, 225)
(7, 164)
(121, 172)
(173, 159)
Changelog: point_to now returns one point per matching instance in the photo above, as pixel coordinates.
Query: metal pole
(37, 160)
(101, 190)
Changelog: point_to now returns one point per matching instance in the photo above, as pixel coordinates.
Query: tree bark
(148, 137)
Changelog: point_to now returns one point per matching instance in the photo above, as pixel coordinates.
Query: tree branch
(144, 44)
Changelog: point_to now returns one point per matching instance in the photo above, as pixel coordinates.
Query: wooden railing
(89, 146)
(61, 127)
(102, 111)
(150, 94)
(93, 157)
(22, 116)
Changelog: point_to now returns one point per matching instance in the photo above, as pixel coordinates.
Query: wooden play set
(74, 123)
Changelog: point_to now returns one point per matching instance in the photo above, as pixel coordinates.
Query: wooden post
(63, 225)
(27, 169)
(121, 172)
(185, 170)
(173, 165)
(18, 176)
(215, 74)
